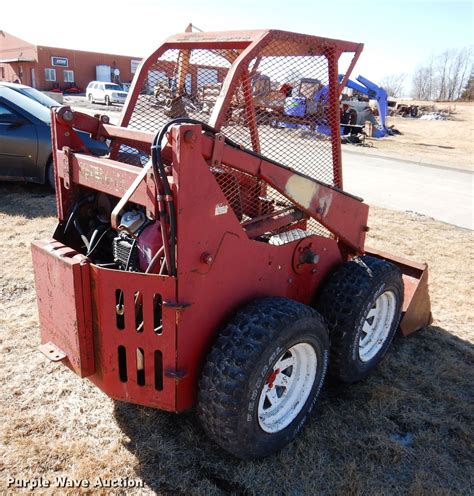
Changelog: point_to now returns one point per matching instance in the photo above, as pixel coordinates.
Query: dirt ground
(449, 143)
(408, 429)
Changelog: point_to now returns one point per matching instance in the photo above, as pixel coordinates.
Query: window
(50, 74)
(4, 110)
(6, 115)
(69, 76)
(2, 72)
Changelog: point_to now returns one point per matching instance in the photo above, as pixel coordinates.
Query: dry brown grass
(448, 143)
(55, 424)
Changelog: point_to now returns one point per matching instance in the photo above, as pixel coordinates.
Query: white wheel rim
(287, 387)
(377, 325)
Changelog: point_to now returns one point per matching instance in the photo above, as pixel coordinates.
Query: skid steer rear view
(214, 259)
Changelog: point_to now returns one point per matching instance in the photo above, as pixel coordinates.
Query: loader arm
(343, 214)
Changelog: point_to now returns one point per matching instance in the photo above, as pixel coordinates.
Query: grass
(408, 429)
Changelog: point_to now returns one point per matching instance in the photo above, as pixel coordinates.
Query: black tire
(90, 98)
(50, 179)
(350, 293)
(240, 365)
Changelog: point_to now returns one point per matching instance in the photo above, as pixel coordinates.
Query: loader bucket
(416, 311)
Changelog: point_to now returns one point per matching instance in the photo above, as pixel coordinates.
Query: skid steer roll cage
(239, 48)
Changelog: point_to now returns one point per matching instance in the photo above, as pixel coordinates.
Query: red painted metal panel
(109, 336)
(62, 281)
(108, 176)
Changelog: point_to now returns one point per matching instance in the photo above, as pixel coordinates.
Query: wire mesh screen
(287, 97)
(182, 83)
(281, 106)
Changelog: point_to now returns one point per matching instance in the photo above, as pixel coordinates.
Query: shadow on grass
(27, 200)
(422, 391)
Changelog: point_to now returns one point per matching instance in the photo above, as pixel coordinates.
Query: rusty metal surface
(219, 267)
(145, 323)
(342, 214)
(111, 177)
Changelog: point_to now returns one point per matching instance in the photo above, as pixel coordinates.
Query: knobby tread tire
(342, 301)
(232, 364)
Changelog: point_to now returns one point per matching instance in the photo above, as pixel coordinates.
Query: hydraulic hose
(159, 172)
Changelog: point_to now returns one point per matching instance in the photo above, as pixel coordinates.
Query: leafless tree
(444, 76)
(393, 84)
(423, 83)
(442, 73)
(463, 68)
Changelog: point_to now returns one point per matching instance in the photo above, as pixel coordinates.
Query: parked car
(108, 93)
(125, 86)
(25, 139)
(31, 93)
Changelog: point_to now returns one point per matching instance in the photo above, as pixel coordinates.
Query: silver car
(108, 93)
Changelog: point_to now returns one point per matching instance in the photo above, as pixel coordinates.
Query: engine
(136, 245)
(125, 244)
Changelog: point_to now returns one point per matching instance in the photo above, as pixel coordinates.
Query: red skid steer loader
(215, 259)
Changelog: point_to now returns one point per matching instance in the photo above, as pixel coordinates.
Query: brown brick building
(46, 68)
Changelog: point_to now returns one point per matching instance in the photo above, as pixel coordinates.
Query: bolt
(68, 115)
(207, 258)
(314, 258)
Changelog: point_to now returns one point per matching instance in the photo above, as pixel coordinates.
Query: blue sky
(398, 35)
